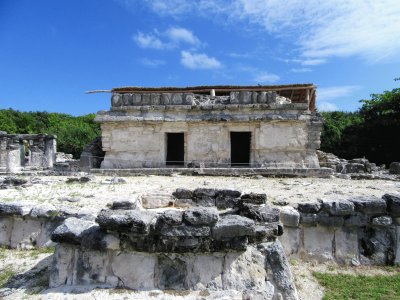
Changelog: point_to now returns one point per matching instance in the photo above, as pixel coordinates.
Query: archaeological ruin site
(211, 126)
(207, 192)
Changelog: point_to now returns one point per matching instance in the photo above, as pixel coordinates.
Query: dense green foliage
(372, 131)
(359, 287)
(73, 133)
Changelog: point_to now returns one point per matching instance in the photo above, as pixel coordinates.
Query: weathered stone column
(13, 159)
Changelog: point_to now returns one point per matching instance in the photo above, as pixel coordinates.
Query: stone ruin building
(211, 126)
(25, 151)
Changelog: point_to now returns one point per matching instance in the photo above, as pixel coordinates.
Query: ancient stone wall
(138, 139)
(18, 151)
(193, 249)
(359, 230)
(152, 99)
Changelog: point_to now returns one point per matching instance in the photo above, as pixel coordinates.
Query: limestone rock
(393, 203)
(327, 220)
(223, 202)
(265, 213)
(394, 168)
(308, 219)
(369, 204)
(205, 197)
(71, 231)
(129, 221)
(14, 181)
(309, 207)
(9, 209)
(157, 200)
(124, 204)
(199, 216)
(338, 208)
(289, 216)
(44, 211)
(356, 220)
(228, 193)
(280, 270)
(382, 221)
(169, 217)
(96, 239)
(185, 231)
(172, 273)
(182, 194)
(254, 198)
(231, 226)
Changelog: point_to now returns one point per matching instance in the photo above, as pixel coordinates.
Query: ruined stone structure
(24, 151)
(214, 126)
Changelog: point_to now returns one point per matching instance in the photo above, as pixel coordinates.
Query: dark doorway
(240, 148)
(175, 149)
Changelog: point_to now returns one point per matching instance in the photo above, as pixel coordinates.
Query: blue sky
(52, 51)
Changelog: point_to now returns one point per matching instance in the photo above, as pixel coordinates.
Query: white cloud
(265, 77)
(312, 62)
(300, 70)
(170, 7)
(179, 34)
(327, 106)
(153, 63)
(334, 92)
(149, 41)
(169, 39)
(199, 61)
(319, 29)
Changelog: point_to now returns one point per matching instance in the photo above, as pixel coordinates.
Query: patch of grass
(5, 275)
(34, 253)
(3, 252)
(382, 287)
(181, 293)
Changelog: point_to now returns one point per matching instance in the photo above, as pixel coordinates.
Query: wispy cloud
(148, 40)
(327, 106)
(334, 92)
(300, 70)
(182, 35)
(265, 77)
(152, 63)
(319, 29)
(312, 62)
(173, 37)
(199, 61)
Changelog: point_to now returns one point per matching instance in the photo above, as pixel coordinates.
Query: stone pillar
(13, 159)
(50, 151)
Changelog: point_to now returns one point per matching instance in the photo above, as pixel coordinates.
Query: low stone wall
(29, 226)
(191, 246)
(359, 230)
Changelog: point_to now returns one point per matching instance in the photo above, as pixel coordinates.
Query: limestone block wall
(27, 227)
(190, 249)
(273, 144)
(359, 230)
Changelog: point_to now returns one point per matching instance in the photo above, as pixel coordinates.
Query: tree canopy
(371, 132)
(73, 133)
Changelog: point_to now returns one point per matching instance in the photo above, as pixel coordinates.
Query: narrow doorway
(175, 149)
(240, 149)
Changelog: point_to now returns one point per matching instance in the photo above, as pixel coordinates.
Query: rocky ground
(91, 194)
